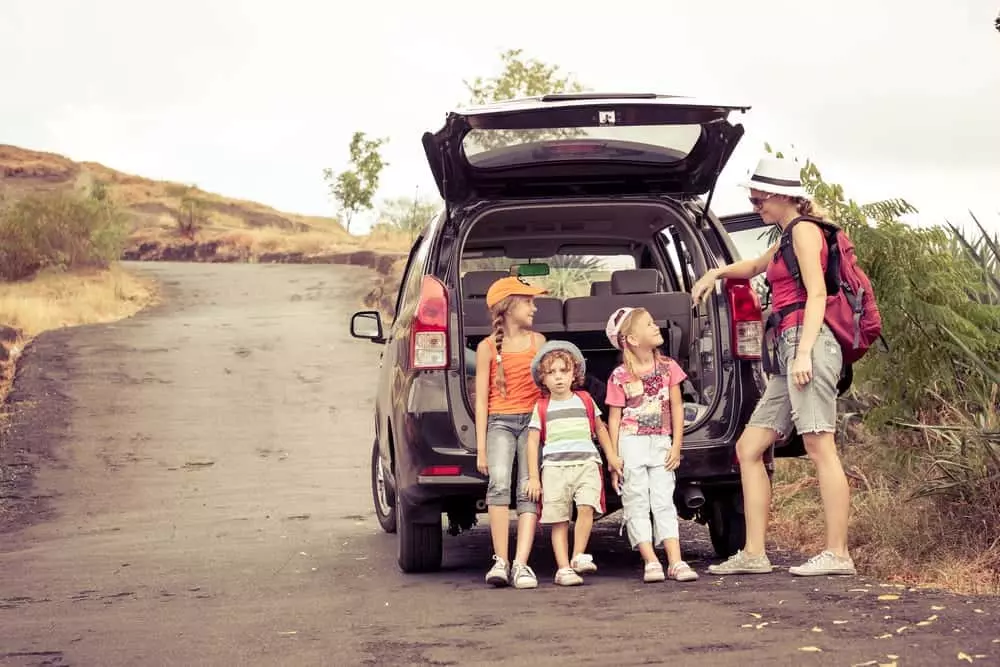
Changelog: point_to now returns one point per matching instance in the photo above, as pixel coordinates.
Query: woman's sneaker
(826, 563)
(681, 571)
(741, 563)
(499, 574)
(652, 573)
(522, 576)
(568, 577)
(583, 564)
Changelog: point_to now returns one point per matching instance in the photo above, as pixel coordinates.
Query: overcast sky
(253, 98)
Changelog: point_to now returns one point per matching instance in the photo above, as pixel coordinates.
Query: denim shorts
(507, 438)
(811, 409)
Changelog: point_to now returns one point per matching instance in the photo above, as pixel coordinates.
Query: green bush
(59, 229)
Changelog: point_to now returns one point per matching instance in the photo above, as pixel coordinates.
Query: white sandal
(652, 573)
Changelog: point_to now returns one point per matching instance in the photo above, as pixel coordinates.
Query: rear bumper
(711, 468)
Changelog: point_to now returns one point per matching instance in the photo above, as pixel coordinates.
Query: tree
(407, 214)
(518, 78)
(521, 78)
(354, 188)
(192, 214)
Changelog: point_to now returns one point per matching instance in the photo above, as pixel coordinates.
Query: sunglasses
(757, 202)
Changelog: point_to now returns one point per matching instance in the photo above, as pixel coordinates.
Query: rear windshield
(569, 275)
(634, 143)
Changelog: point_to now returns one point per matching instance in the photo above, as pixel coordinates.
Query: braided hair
(499, 315)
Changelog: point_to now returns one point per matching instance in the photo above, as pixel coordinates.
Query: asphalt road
(201, 497)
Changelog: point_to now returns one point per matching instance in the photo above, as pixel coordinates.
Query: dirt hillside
(152, 204)
(235, 230)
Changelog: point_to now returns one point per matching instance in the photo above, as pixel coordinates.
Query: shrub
(59, 229)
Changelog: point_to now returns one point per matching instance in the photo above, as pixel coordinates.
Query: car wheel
(384, 511)
(726, 525)
(420, 544)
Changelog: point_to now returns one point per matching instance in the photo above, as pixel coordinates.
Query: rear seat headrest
(636, 281)
(475, 284)
(600, 288)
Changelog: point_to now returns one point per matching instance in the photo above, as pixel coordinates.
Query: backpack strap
(588, 405)
(787, 252)
(543, 412)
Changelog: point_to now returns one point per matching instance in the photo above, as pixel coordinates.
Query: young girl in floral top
(646, 421)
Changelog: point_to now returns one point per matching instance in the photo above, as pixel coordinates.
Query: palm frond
(887, 209)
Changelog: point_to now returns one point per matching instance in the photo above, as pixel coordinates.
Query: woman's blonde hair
(499, 314)
(629, 357)
(806, 206)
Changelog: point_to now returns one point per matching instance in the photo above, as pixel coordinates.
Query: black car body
(595, 186)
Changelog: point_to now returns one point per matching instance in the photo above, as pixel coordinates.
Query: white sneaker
(826, 563)
(499, 574)
(522, 576)
(742, 563)
(583, 564)
(568, 577)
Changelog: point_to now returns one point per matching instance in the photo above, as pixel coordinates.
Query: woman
(803, 391)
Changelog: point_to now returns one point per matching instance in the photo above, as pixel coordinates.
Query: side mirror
(367, 324)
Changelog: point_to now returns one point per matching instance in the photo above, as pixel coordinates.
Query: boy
(566, 418)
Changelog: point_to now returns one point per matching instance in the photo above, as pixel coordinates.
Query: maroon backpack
(851, 311)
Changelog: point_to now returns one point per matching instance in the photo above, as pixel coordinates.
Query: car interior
(599, 259)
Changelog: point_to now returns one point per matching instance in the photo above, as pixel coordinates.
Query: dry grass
(53, 300)
(895, 535)
(254, 242)
(383, 238)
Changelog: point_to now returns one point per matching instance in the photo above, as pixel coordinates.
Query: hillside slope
(236, 230)
(152, 204)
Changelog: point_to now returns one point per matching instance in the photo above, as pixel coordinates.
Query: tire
(420, 544)
(381, 495)
(726, 525)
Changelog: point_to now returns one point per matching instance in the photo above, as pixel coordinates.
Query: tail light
(748, 325)
(429, 334)
(441, 471)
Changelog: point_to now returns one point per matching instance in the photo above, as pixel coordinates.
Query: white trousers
(648, 487)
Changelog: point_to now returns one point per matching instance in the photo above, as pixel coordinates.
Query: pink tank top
(785, 289)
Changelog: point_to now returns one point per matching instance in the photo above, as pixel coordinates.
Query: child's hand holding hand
(673, 458)
(616, 481)
(534, 490)
(615, 464)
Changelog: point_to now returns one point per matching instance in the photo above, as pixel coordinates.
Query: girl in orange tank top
(506, 394)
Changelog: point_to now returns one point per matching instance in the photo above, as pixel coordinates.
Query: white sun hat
(777, 176)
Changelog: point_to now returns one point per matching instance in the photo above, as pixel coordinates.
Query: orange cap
(512, 286)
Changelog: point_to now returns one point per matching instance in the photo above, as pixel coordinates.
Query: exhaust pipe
(693, 497)
(481, 505)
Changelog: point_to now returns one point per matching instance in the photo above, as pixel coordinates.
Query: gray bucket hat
(556, 345)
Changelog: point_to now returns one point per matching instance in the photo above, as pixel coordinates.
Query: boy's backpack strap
(543, 411)
(588, 405)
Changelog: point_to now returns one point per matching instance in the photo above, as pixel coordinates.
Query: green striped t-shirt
(567, 432)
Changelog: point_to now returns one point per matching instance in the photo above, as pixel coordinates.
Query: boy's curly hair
(545, 366)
